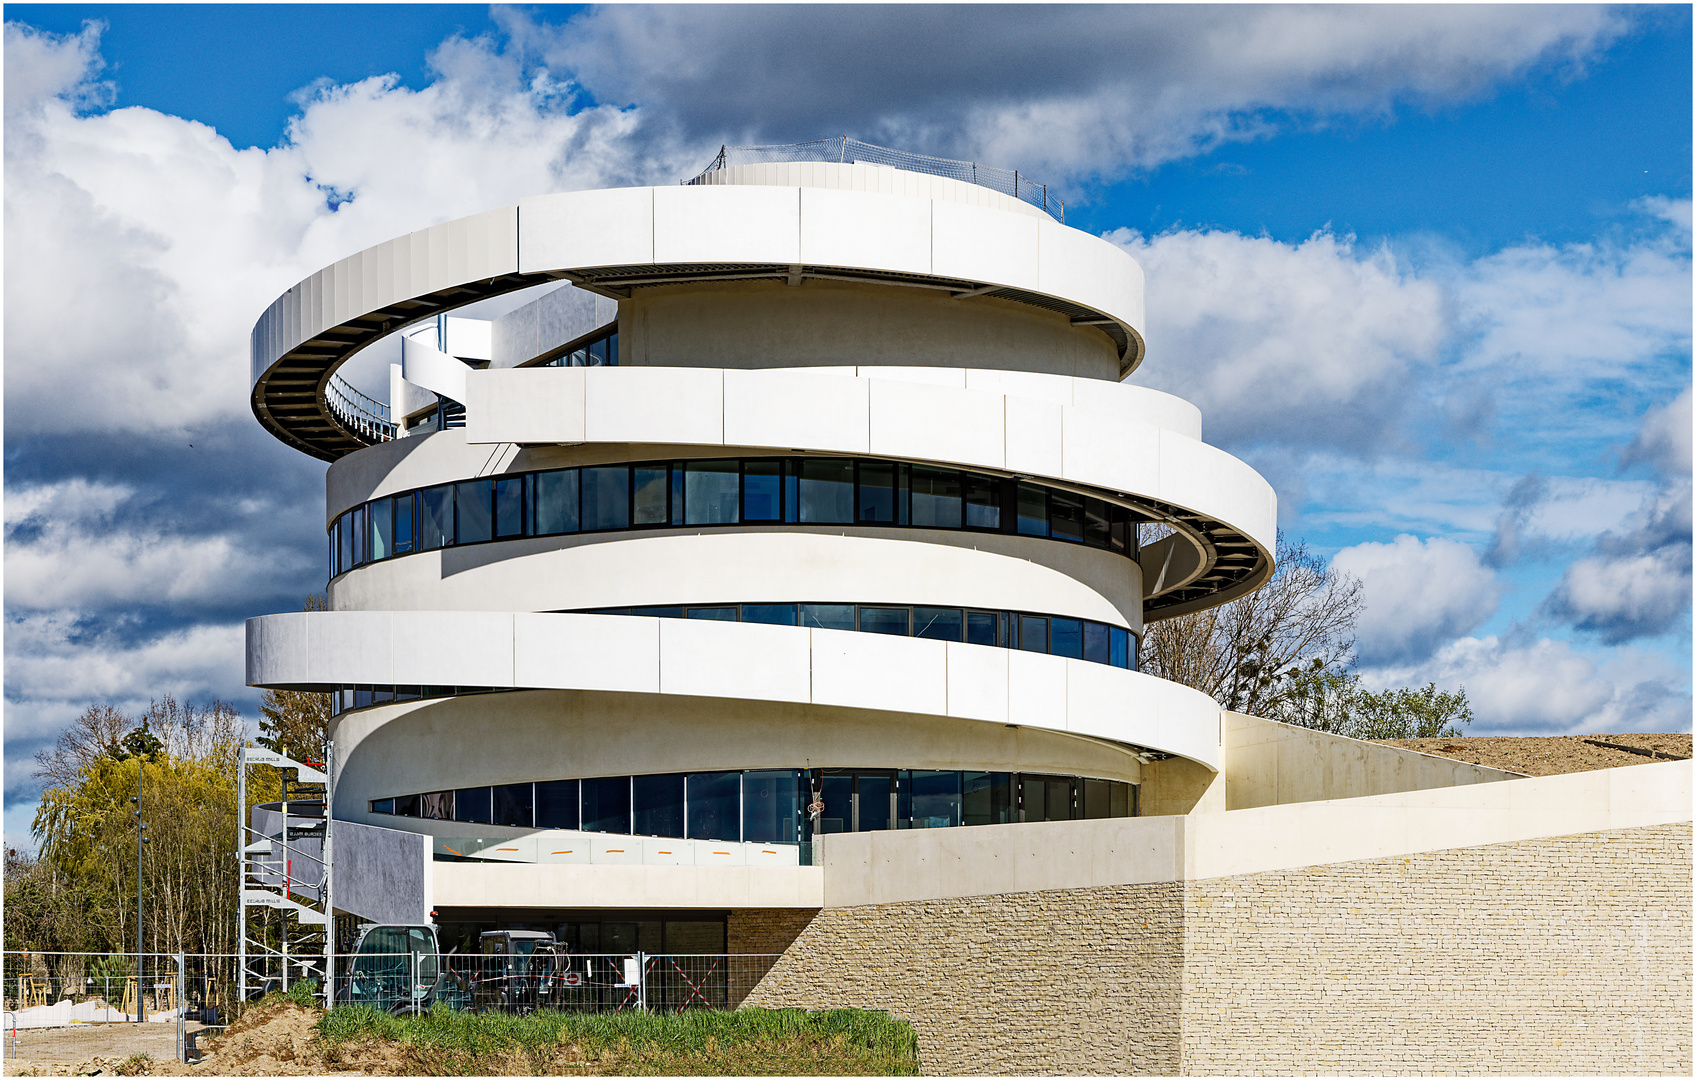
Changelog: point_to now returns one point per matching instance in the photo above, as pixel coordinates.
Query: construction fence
(67, 1008)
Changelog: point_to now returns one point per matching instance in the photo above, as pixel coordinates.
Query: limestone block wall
(1068, 981)
(1562, 956)
(765, 930)
(1569, 955)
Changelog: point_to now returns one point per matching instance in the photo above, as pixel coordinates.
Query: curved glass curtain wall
(770, 805)
(1080, 639)
(728, 491)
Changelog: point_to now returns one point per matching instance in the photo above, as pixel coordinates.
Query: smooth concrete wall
(391, 750)
(510, 885)
(878, 868)
(778, 564)
(691, 659)
(1270, 764)
(823, 323)
(553, 319)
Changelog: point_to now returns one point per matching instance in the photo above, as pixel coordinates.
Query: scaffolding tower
(285, 915)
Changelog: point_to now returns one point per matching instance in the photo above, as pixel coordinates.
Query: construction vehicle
(396, 968)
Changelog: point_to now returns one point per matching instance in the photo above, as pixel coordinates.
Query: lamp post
(140, 959)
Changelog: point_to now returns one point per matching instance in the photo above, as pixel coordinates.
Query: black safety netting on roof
(844, 150)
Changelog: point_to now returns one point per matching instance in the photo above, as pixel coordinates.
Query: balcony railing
(844, 150)
(360, 413)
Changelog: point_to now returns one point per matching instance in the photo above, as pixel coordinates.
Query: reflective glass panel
(598, 353)
(1033, 509)
(936, 497)
(1066, 516)
(715, 806)
(980, 627)
(382, 529)
(344, 544)
(713, 614)
(556, 804)
(677, 472)
(1060, 800)
(828, 616)
(987, 798)
(471, 507)
(827, 491)
(435, 517)
(775, 614)
(1066, 638)
(983, 501)
(556, 502)
(792, 491)
(606, 497)
(1098, 799)
(710, 493)
(936, 799)
(651, 492)
(884, 620)
(509, 507)
(473, 805)
(1033, 633)
(515, 805)
(940, 624)
(606, 804)
(657, 804)
(874, 795)
(612, 350)
(837, 793)
(658, 611)
(361, 542)
(1123, 803)
(409, 805)
(403, 523)
(1097, 523)
(762, 491)
(1119, 647)
(1123, 531)
(1097, 648)
(771, 806)
(383, 806)
(877, 493)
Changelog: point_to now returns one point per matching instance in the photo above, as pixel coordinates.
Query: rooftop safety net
(844, 150)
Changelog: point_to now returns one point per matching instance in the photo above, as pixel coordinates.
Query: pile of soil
(1552, 755)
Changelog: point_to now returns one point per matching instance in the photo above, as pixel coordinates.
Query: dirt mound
(275, 1039)
(1552, 755)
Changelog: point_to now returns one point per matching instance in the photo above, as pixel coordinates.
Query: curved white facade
(852, 495)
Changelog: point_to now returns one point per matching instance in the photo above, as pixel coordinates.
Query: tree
(296, 722)
(1246, 654)
(1335, 702)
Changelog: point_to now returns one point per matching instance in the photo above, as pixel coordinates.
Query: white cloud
(1419, 593)
(1056, 91)
(1311, 343)
(51, 653)
(1663, 438)
(1549, 688)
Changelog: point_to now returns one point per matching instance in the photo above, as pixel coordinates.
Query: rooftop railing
(359, 412)
(844, 151)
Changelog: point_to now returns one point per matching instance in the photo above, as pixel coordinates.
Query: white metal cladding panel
(1034, 437)
(701, 224)
(277, 645)
(737, 660)
(853, 229)
(613, 227)
(511, 405)
(587, 652)
(797, 409)
(977, 682)
(976, 244)
(636, 404)
(1112, 454)
(1210, 481)
(933, 423)
(843, 668)
(871, 671)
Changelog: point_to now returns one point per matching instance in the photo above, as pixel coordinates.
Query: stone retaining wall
(1566, 955)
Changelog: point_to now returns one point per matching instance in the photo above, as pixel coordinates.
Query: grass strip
(835, 1042)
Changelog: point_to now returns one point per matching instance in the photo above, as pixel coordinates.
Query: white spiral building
(804, 482)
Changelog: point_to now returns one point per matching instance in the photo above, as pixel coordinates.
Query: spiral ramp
(862, 501)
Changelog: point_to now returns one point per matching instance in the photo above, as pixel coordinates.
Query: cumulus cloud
(1419, 594)
(1058, 91)
(1550, 688)
(1312, 343)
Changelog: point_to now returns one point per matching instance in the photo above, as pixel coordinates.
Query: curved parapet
(621, 242)
(320, 651)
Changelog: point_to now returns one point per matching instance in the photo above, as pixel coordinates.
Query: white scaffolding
(283, 915)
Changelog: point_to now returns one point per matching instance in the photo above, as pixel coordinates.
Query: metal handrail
(844, 150)
(359, 412)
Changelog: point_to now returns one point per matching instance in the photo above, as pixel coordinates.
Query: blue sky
(1427, 268)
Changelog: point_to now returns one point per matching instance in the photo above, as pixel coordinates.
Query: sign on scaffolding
(285, 914)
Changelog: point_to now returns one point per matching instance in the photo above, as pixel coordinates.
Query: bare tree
(97, 733)
(1247, 654)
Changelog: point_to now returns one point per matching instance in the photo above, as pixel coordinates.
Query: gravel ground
(1552, 755)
